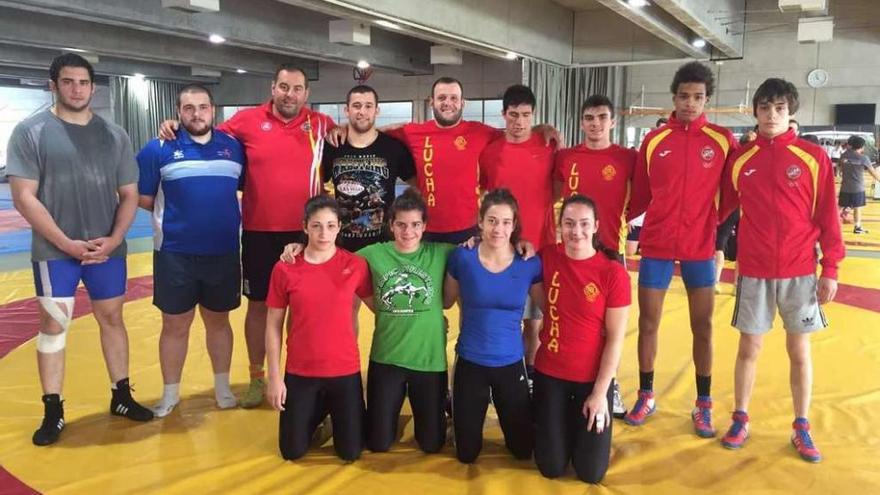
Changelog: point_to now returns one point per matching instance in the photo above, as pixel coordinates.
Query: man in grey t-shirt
(74, 179)
(853, 164)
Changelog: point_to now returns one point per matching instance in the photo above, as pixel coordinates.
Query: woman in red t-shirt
(586, 304)
(322, 370)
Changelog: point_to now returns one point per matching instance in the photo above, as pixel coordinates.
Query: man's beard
(444, 122)
(287, 114)
(363, 126)
(194, 131)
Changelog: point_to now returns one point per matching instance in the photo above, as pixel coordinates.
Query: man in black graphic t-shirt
(364, 171)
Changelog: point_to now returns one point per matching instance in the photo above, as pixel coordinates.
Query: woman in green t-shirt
(408, 356)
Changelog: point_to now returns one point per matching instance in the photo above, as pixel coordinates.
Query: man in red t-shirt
(283, 141)
(598, 169)
(447, 151)
(522, 162)
(601, 171)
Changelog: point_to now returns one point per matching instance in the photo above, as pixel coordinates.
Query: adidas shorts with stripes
(757, 300)
(60, 278)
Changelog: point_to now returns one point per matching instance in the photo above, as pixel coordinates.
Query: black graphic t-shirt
(364, 180)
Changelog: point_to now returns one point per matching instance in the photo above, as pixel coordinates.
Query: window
(390, 112)
(333, 110)
(226, 113)
(492, 113)
(394, 112)
(18, 103)
(485, 111)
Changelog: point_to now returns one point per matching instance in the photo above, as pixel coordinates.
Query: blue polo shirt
(491, 307)
(195, 186)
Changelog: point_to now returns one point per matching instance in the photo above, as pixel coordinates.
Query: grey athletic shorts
(757, 300)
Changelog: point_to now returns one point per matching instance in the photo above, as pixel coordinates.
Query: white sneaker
(322, 433)
(618, 409)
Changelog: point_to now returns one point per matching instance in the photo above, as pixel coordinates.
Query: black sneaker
(860, 230)
(123, 404)
(53, 421)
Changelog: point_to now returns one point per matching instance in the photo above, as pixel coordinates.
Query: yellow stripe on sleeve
(652, 144)
(739, 163)
(719, 138)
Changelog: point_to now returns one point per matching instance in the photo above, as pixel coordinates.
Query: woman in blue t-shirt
(491, 283)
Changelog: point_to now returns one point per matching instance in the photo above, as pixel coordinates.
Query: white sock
(222, 393)
(170, 398)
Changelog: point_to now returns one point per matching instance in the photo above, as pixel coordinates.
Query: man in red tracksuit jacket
(676, 183)
(785, 188)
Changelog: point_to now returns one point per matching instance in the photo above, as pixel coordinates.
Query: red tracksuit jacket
(785, 189)
(676, 181)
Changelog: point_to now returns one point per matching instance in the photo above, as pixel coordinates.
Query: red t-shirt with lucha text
(605, 177)
(447, 169)
(577, 293)
(283, 167)
(320, 338)
(526, 169)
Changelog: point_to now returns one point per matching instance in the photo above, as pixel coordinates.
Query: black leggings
(308, 401)
(561, 430)
(509, 386)
(387, 385)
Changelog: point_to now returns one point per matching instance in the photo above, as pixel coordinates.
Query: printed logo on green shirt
(404, 286)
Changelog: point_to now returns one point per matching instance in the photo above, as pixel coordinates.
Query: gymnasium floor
(200, 449)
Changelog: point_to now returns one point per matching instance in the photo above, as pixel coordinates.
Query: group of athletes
(543, 296)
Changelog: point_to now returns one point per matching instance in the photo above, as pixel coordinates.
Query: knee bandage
(59, 309)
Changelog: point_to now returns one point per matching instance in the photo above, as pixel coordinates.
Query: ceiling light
(138, 75)
(363, 64)
(77, 50)
(637, 3)
(698, 42)
(510, 56)
(387, 24)
(216, 38)
(241, 71)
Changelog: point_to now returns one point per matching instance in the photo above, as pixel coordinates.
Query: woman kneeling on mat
(408, 355)
(322, 371)
(491, 283)
(585, 314)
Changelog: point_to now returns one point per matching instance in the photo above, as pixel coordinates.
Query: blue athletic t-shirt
(491, 307)
(196, 209)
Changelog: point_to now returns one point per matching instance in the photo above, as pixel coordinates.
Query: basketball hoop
(361, 75)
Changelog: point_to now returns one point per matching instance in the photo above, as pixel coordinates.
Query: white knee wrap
(59, 309)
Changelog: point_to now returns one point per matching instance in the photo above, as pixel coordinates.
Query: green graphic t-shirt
(408, 294)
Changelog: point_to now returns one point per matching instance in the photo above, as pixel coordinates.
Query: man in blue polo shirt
(191, 184)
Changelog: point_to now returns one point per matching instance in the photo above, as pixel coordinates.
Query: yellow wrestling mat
(199, 449)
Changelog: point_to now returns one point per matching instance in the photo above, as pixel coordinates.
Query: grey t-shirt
(79, 169)
(853, 166)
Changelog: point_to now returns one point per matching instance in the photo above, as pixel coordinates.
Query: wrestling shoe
(644, 407)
